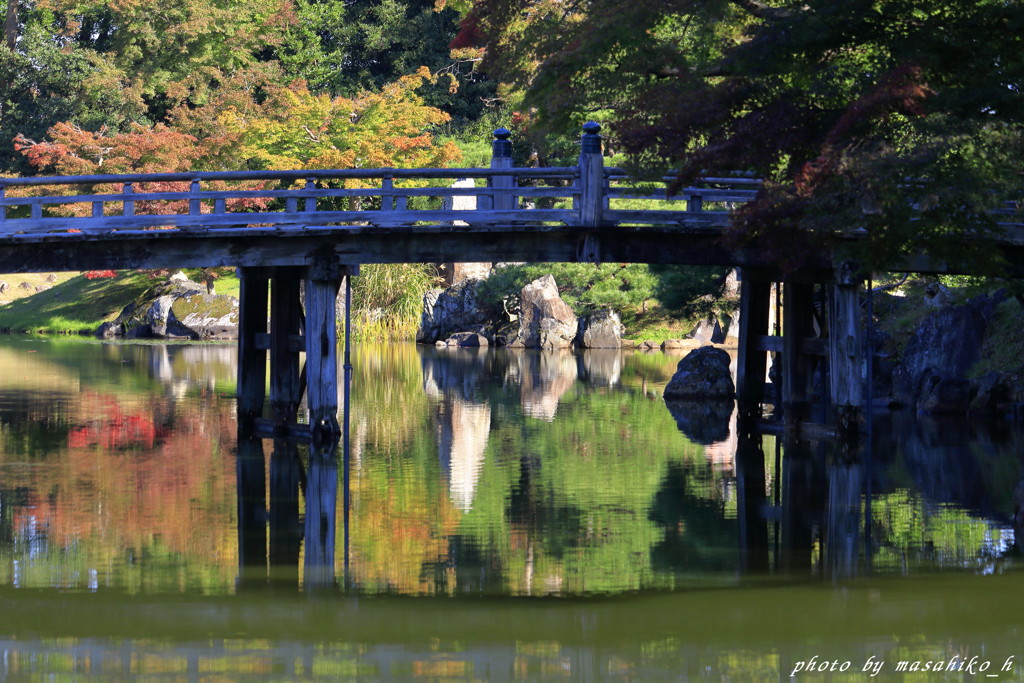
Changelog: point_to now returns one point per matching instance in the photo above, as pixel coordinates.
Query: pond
(495, 515)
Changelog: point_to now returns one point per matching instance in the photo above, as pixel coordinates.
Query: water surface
(510, 516)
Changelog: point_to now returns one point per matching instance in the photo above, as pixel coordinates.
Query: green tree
(343, 48)
(899, 116)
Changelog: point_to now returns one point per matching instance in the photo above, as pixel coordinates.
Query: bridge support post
(252, 354)
(846, 357)
(285, 328)
(797, 365)
(321, 337)
(751, 361)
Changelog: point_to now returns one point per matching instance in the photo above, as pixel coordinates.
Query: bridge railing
(308, 200)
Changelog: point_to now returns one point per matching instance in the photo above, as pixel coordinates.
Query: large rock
(943, 395)
(545, 321)
(600, 330)
(708, 331)
(948, 340)
(177, 309)
(702, 374)
(451, 310)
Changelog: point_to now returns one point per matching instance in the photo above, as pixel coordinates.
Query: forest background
(835, 104)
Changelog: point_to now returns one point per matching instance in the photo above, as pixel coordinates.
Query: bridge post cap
(501, 147)
(590, 141)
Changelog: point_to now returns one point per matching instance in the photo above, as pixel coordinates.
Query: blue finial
(590, 142)
(502, 146)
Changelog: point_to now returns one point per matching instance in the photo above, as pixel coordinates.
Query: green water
(511, 516)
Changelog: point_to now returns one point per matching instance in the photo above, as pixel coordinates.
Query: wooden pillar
(285, 529)
(846, 356)
(321, 516)
(250, 483)
(751, 499)
(843, 523)
(797, 366)
(501, 157)
(322, 348)
(285, 327)
(803, 497)
(591, 163)
(252, 354)
(755, 301)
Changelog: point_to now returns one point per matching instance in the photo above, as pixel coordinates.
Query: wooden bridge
(350, 217)
(281, 228)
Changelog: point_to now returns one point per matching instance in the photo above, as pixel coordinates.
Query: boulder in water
(702, 374)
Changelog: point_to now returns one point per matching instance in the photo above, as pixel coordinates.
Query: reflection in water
(463, 418)
(543, 379)
(121, 474)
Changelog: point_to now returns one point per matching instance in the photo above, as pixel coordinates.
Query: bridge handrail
(314, 174)
(589, 195)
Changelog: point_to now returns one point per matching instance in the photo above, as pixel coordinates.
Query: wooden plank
(769, 342)
(708, 195)
(296, 342)
(285, 321)
(282, 219)
(439, 244)
(252, 358)
(798, 327)
(322, 357)
(710, 219)
(327, 174)
(265, 428)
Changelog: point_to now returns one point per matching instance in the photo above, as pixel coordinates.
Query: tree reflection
(695, 531)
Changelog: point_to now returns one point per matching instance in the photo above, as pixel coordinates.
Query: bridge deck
(355, 216)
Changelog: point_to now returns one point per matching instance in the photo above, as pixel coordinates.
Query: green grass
(77, 305)
(1003, 350)
(655, 324)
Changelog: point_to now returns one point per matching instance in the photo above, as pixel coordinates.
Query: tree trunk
(11, 25)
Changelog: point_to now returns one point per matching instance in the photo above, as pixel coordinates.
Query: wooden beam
(321, 517)
(285, 322)
(250, 478)
(286, 477)
(252, 358)
(797, 328)
(322, 357)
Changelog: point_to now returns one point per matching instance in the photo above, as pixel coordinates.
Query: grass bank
(70, 303)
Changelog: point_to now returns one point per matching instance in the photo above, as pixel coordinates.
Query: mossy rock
(179, 309)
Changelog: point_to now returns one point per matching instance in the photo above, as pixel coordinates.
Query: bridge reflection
(792, 508)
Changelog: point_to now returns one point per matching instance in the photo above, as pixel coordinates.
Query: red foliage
(97, 274)
(470, 33)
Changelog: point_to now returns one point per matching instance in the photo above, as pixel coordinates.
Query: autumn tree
(902, 117)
